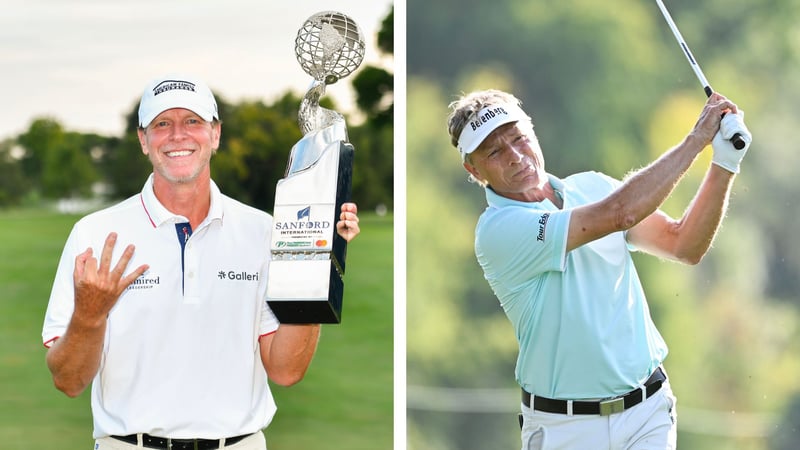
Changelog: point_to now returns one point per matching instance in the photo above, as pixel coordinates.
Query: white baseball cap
(177, 91)
(481, 125)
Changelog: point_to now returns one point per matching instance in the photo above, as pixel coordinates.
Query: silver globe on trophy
(305, 282)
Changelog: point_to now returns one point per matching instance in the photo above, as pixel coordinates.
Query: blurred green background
(609, 89)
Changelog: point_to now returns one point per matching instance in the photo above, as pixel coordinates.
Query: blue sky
(85, 62)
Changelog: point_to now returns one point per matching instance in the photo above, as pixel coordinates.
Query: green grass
(345, 401)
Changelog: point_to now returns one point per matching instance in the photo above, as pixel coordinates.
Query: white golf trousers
(650, 425)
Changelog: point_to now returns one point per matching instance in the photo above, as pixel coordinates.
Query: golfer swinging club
(556, 253)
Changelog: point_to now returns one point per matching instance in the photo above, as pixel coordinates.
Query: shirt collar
(158, 214)
(498, 201)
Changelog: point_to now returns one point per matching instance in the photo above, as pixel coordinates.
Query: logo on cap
(171, 85)
(484, 122)
(486, 115)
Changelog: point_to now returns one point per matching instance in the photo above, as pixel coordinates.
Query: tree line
(48, 162)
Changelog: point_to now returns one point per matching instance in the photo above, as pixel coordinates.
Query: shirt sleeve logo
(542, 226)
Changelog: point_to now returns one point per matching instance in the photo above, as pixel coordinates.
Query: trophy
(308, 257)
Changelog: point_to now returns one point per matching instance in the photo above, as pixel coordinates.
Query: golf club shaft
(737, 140)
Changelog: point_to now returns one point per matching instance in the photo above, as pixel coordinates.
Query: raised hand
(98, 287)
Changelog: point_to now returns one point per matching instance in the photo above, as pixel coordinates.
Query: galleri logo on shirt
(233, 275)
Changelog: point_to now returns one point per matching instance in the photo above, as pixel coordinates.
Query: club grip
(738, 141)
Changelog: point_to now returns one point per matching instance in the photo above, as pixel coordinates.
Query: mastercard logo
(321, 243)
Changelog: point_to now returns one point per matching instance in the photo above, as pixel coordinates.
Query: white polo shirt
(581, 318)
(181, 356)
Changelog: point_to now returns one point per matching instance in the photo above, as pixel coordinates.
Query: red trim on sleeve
(48, 344)
(267, 334)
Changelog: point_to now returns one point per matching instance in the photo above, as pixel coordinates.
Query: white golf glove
(725, 154)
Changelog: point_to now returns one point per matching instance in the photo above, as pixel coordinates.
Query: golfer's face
(510, 161)
(179, 143)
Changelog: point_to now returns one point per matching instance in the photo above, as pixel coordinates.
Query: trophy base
(309, 296)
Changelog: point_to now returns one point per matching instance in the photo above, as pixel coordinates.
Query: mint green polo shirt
(580, 317)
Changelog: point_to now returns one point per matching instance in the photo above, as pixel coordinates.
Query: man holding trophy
(177, 337)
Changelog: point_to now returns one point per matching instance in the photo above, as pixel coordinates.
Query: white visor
(484, 122)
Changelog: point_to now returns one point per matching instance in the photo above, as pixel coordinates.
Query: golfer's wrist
(731, 165)
(696, 141)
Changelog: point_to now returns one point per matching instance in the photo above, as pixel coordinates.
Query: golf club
(737, 140)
